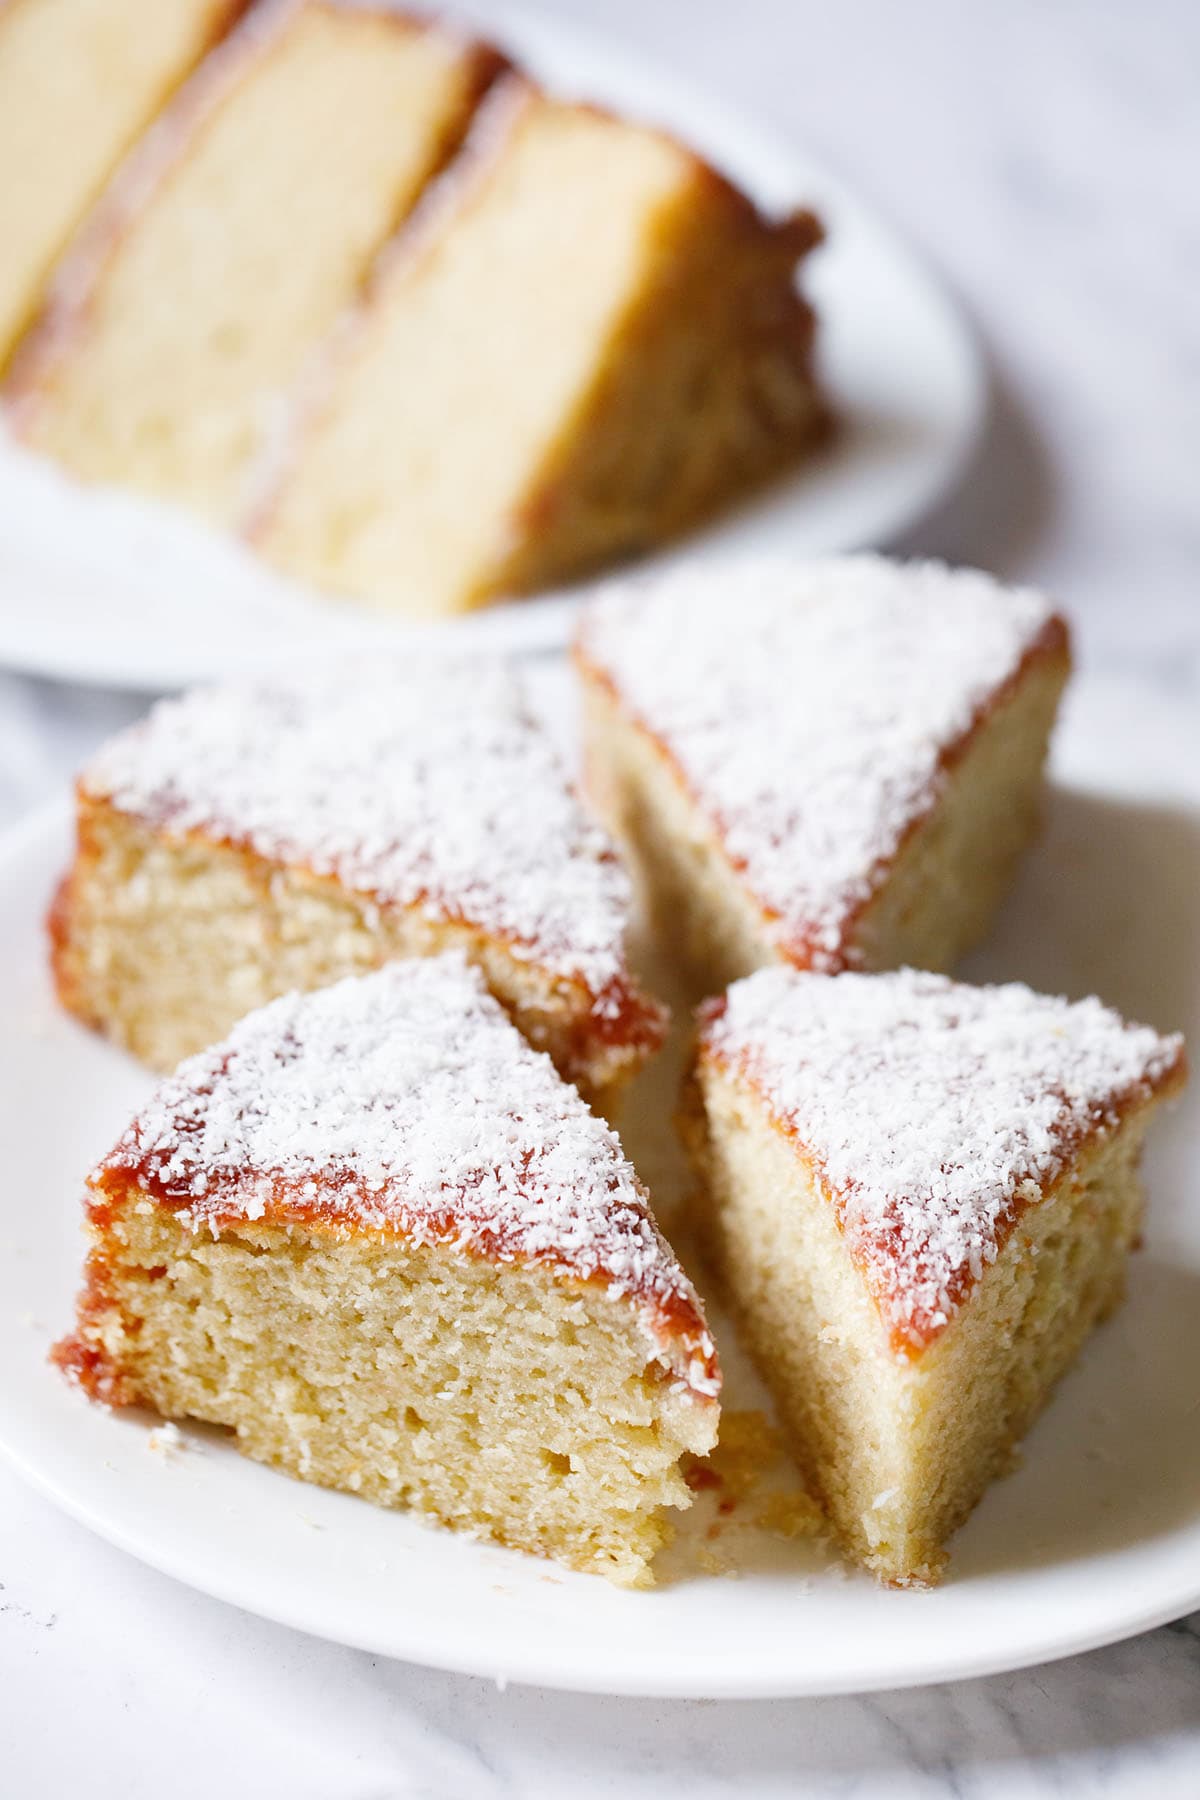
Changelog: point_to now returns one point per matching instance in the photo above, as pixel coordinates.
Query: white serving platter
(1097, 1536)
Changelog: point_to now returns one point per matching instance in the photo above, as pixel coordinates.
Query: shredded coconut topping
(406, 1101)
(423, 783)
(934, 1112)
(808, 709)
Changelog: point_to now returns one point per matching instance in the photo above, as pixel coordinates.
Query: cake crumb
(711, 1562)
(168, 1441)
(753, 1484)
(793, 1515)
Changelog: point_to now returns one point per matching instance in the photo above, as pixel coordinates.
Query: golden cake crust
(801, 945)
(401, 1104)
(392, 811)
(597, 1038)
(572, 511)
(823, 1065)
(62, 323)
(516, 95)
(887, 770)
(95, 47)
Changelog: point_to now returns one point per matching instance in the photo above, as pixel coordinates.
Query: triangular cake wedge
(268, 835)
(79, 79)
(835, 764)
(376, 1235)
(585, 340)
(919, 1197)
(233, 240)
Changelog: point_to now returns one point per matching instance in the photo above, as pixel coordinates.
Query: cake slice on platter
(584, 341)
(919, 1197)
(231, 242)
(79, 79)
(375, 1235)
(277, 834)
(835, 764)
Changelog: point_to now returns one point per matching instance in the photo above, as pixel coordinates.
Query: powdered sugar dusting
(423, 782)
(406, 1101)
(936, 1112)
(809, 707)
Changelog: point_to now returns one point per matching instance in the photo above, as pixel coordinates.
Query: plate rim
(543, 1671)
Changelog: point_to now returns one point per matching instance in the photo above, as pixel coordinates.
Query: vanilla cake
(227, 248)
(79, 79)
(584, 341)
(376, 1235)
(919, 1197)
(834, 764)
(277, 834)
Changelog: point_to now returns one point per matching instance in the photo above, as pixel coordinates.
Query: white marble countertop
(1046, 158)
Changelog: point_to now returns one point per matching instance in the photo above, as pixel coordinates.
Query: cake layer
(835, 764)
(375, 1234)
(585, 340)
(271, 835)
(229, 246)
(79, 79)
(920, 1197)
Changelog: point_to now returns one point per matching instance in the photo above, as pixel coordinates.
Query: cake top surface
(406, 1101)
(810, 709)
(426, 782)
(934, 1112)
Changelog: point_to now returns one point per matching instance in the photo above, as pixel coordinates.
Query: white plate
(99, 587)
(1097, 1536)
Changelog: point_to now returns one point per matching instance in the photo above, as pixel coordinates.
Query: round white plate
(1096, 1537)
(100, 587)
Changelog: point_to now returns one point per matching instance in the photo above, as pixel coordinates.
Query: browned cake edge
(1050, 651)
(444, 202)
(226, 16)
(599, 1048)
(61, 322)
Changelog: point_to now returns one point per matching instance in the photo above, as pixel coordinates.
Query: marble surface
(1045, 158)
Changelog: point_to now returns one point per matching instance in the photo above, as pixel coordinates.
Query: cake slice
(79, 79)
(232, 242)
(919, 1197)
(584, 341)
(834, 764)
(249, 839)
(375, 1235)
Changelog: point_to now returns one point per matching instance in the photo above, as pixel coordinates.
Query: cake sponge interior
(505, 1400)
